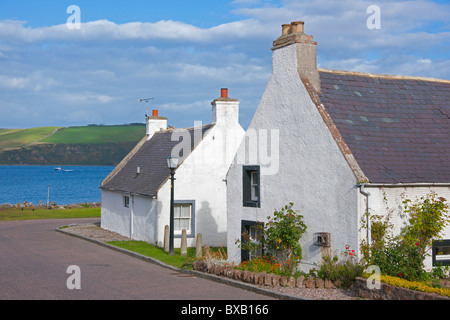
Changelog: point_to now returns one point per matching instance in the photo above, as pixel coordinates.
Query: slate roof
(151, 157)
(397, 128)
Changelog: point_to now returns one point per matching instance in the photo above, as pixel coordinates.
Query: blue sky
(182, 52)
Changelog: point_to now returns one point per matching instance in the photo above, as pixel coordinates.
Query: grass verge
(7, 214)
(149, 250)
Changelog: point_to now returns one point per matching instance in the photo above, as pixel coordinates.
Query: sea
(62, 185)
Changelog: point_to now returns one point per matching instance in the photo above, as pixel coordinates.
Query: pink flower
(417, 243)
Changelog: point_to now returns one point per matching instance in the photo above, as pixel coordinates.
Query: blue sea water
(70, 185)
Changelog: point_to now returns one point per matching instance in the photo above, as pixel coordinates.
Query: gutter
(411, 184)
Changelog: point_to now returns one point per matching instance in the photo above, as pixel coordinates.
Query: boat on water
(61, 169)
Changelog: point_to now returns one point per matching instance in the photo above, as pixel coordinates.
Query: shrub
(279, 239)
(403, 255)
(345, 269)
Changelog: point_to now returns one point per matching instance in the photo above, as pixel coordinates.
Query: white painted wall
(308, 169)
(388, 200)
(136, 221)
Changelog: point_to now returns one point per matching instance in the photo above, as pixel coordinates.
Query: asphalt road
(34, 262)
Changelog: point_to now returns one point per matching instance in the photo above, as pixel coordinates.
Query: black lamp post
(172, 163)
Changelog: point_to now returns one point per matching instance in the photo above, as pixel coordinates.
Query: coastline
(51, 205)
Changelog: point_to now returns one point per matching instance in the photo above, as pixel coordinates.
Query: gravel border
(94, 233)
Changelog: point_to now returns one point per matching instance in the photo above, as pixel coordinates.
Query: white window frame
(254, 183)
(191, 218)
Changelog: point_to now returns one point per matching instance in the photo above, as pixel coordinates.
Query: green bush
(403, 255)
(344, 270)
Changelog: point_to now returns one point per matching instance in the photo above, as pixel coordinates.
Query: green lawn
(157, 253)
(97, 134)
(28, 213)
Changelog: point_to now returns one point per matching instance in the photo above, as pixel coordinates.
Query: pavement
(35, 264)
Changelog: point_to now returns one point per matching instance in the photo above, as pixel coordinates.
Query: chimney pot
(224, 93)
(297, 26)
(155, 113)
(286, 29)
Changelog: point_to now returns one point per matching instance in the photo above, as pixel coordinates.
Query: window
(251, 186)
(126, 201)
(441, 252)
(251, 231)
(183, 217)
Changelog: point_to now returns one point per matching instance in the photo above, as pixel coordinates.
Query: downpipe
(367, 195)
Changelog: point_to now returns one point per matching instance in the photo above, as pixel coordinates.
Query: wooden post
(166, 238)
(183, 250)
(198, 249)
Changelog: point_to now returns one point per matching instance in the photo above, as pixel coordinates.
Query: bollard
(198, 249)
(183, 250)
(166, 238)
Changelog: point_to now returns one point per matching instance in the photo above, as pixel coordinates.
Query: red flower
(351, 253)
(400, 274)
(417, 243)
(353, 250)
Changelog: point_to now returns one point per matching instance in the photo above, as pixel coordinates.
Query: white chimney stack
(293, 34)
(155, 123)
(224, 109)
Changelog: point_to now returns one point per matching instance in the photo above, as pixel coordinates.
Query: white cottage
(136, 195)
(338, 143)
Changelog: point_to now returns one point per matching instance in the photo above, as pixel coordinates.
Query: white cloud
(97, 74)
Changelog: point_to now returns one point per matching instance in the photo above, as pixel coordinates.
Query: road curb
(227, 281)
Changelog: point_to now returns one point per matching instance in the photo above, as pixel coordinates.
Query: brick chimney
(224, 109)
(293, 34)
(155, 123)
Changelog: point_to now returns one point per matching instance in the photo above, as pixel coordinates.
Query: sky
(55, 72)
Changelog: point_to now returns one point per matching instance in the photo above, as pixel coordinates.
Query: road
(34, 262)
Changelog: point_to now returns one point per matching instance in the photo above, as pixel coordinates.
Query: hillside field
(96, 145)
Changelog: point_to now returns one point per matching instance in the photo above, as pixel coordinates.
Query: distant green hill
(88, 145)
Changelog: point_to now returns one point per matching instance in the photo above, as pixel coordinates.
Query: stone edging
(263, 278)
(386, 292)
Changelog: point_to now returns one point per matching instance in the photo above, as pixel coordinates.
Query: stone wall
(390, 292)
(386, 291)
(263, 278)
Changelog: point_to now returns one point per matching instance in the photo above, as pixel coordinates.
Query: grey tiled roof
(398, 130)
(150, 157)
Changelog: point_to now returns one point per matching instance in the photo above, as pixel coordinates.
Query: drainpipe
(366, 194)
(132, 216)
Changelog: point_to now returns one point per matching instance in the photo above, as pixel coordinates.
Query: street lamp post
(172, 163)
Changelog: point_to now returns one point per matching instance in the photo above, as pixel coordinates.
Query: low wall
(390, 292)
(386, 291)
